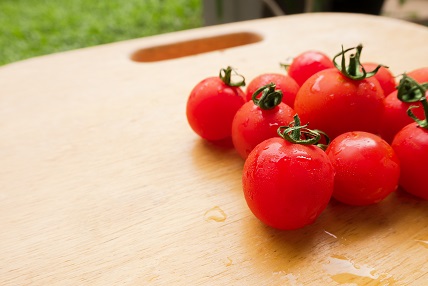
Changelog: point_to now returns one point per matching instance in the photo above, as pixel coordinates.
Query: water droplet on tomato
(316, 86)
(304, 158)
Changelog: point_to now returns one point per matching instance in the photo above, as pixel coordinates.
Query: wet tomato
(396, 104)
(367, 168)
(411, 146)
(212, 104)
(259, 119)
(287, 185)
(384, 76)
(342, 99)
(284, 83)
(308, 63)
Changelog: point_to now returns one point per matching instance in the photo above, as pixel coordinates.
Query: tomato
(284, 83)
(259, 119)
(307, 64)
(367, 168)
(212, 104)
(384, 76)
(341, 100)
(395, 117)
(411, 146)
(420, 74)
(287, 185)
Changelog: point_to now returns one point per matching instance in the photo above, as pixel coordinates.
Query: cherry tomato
(307, 64)
(420, 74)
(284, 83)
(259, 119)
(384, 76)
(287, 185)
(395, 117)
(212, 104)
(341, 100)
(367, 168)
(411, 146)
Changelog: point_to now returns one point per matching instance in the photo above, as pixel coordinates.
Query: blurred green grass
(31, 28)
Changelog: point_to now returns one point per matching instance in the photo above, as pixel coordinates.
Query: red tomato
(286, 84)
(420, 74)
(384, 76)
(367, 168)
(211, 106)
(395, 114)
(287, 185)
(333, 102)
(307, 64)
(411, 147)
(255, 122)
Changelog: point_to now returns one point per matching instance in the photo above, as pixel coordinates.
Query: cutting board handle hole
(196, 46)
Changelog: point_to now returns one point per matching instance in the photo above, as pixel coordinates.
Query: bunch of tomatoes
(327, 128)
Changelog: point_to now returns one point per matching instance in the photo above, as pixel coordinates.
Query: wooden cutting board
(102, 182)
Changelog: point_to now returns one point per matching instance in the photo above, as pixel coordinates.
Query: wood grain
(102, 182)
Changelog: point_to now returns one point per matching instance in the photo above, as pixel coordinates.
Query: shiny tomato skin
(384, 76)
(283, 82)
(211, 106)
(335, 104)
(411, 147)
(307, 64)
(367, 168)
(252, 125)
(395, 116)
(286, 185)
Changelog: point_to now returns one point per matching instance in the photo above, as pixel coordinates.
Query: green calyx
(355, 69)
(410, 91)
(226, 76)
(270, 97)
(300, 134)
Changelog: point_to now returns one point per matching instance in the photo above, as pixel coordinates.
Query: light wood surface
(102, 182)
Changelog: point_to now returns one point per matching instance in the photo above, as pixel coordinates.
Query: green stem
(423, 123)
(299, 134)
(409, 90)
(355, 70)
(270, 97)
(226, 76)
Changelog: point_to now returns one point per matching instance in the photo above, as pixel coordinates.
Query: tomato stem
(409, 90)
(299, 134)
(269, 98)
(423, 123)
(226, 76)
(355, 69)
